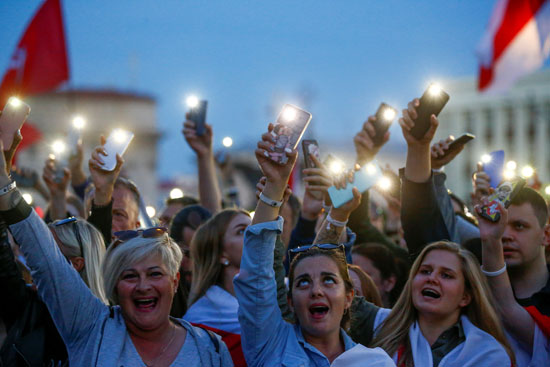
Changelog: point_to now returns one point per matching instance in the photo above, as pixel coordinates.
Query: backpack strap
(213, 338)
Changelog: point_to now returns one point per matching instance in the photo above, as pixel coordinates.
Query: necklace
(152, 364)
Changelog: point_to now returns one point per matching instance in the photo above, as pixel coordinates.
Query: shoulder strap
(213, 338)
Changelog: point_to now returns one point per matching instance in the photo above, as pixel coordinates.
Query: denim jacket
(268, 340)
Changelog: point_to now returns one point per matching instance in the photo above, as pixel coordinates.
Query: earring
(226, 262)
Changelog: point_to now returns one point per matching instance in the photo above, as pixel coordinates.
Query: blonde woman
(82, 245)
(216, 251)
(444, 317)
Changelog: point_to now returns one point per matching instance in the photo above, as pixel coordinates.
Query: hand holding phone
(289, 129)
(384, 118)
(431, 103)
(13, 117)
(504, 194)
(310, 147)
(363, 179)
(452, 150)
(494, 167)
(117, 143)
(197, 114)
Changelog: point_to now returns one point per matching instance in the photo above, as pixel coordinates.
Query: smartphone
(363, 179)
(289, 129)
(457, 144)
(310, 146)
(74, 137)
(503, 194)
(431, 103)
(495, 167)
(384, 118)
(13, 116)
(117, 143)
(197, 114)
(395, 183)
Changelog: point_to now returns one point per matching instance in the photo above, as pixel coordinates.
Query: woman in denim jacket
(320, 289)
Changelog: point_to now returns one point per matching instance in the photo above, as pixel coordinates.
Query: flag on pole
(39, 63)
(516, 42)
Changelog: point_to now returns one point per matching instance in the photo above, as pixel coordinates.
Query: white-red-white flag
(517, 42)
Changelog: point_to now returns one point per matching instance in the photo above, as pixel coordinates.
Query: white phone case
(11, 120)
(116, 144)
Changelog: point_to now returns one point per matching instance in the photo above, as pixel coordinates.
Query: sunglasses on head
(76, 232)
(123, 236)
(323, 246)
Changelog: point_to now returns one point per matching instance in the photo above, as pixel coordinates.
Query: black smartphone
(384, 118)
(457, 144)
(310, 146)
(197, 114)
(504, 194)
(394, 183)
(431, 103)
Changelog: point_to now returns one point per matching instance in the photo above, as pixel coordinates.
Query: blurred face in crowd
(125, 210)
(233, 239)
(384, 286)
(145, 291)
(438, 289)
(168, 213)
(186, 262)
(319, 296)
(356, 283)
(523, 239)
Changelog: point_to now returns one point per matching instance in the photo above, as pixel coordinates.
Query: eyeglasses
(323, 246)
(76, 232)
(123, 236)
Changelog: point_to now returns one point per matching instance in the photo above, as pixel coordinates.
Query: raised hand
(407, 123)
(365, 148)
(481, 184)
(438, 151)
(104, 181)
(57, 180)
(491, 231)
(201, 144)
(78, 177)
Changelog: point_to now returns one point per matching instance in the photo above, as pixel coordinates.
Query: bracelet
(334, 222)
(494, 273)
(8, 188)
(270, 202)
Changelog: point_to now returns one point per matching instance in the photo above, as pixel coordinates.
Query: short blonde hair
(126, 254)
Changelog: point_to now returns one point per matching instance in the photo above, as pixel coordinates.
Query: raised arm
(516, 319)
(71, 304)
(57, 185)
(261, 322)
(209, 190)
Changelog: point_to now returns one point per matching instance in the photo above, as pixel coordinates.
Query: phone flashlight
(227, 142)
(389, 114)
(27, 197)
(509, 174)
(511, 165)
(192, 101)
(79, 122)
(58, 147)
(527, 171)
(434, 90)
(371, 169)
(336, 167)
(151, 211)
(176, 193)
(384, 183)
(15, 102)
(486, 158)
(547, 190)
(289, 113)
(120, 136)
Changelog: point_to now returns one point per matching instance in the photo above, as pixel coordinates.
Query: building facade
(517, 122)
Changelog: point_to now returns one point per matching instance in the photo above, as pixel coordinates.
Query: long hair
(368, 288)
(394, 331)
(90, 246)
(339, 259)
(206, 251)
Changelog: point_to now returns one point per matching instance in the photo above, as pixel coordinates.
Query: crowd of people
(301, 282)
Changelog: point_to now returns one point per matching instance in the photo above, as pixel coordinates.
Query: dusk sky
(338, 59)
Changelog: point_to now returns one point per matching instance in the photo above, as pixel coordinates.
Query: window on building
(489, 124)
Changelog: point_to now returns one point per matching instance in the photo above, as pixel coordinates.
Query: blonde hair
(394, 331)
(206, 251)
(126, 254)
(89, 246)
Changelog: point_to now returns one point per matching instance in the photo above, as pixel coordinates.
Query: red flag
(39, 63)
(517, 42)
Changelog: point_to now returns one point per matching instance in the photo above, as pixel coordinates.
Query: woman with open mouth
(320, 292)
(444, 317)
(140, 277)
